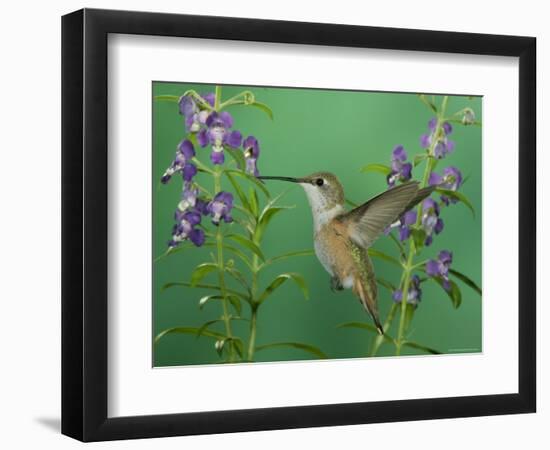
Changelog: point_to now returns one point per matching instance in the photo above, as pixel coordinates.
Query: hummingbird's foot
(335, 284)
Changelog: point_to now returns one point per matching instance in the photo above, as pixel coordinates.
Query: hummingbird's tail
(367, 294)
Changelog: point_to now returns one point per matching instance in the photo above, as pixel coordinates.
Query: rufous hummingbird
(342, 238)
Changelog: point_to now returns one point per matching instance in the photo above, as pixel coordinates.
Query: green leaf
(254, 202)
(237, 156)
(288, 255)
(239, 191)
(265, 218)
(282, 278)
(233, 299)
(454, 292)
(424, 348)
(241, 295)
(466, 280)
(167, 98)
(419, 237)
(201, 271)
(250, 178)
(368, 327)
(419, 158)
(205, 325)
(458, 196)
(264, 108)
(427, 102)
(385, 283)
(373, 253)
(245, 242)
(380, 168)
(239, 254)
(187, 330)
(305, 347)
(238, 276)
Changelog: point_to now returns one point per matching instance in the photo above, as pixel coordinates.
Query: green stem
(221, 264)
(410, 259)
(252, 339)
(377, 342)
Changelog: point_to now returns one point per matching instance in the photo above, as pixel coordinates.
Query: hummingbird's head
(323, 190)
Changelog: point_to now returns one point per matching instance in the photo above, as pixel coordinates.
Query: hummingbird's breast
(331, 243)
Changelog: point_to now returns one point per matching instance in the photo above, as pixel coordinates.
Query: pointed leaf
(458, 196)
(454, 292)
(385, 283)
(466, 280)
(264, 108)
(201, 271)
(368, 327)
(298, 345)
(373, 253)
(241, 295)
(424, 348)
(419, 158)
(239, 191)
(250, 178)
(254, 202)
(167, 98)
(281, 279)
(237, 156)
(204, 300)
(245, 242)
(380, 168)
(187, 330)
(288, 255)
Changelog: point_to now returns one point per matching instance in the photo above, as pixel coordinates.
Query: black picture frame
(84, 224)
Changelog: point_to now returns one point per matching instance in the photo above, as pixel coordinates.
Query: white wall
(30, 236)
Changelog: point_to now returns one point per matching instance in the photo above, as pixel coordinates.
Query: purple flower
(195, 113)
(440, 267)
(181, 163)
(189, 197)
(185, 229)
(219, 134)
(400, 169)
(408, 219)
(220, 207)
(431, 222)
(450, 180)
(251, 148)
(414, 293)
(443, 145)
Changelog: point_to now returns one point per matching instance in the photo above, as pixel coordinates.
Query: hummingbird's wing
(368, 221)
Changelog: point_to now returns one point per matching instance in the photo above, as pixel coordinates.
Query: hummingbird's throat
(323, 208)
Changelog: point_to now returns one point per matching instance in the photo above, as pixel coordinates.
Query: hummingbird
(342, 238)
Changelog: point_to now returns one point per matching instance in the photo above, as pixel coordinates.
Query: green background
(318, 130)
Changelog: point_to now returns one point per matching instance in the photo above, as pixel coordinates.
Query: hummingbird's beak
(292, 180)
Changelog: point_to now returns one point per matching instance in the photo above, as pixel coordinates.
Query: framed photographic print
(274, 224)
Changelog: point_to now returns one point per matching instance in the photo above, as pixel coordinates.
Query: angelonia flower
(440, 267)
(443, 145)
(451, 179)
(181, 163)
(251, 148)
(408, 219)
(189, 197)
(195, 114)
(468, 118)
(400, 169)
(431, 222)
(220, 207)
(403, 225)
(218, 133)
(414, 293)
(186, 221)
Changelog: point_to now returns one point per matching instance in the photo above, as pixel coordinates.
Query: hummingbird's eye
(319, 181)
